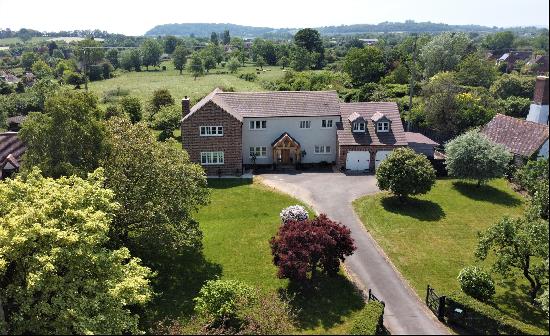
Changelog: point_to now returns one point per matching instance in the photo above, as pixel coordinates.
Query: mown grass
(14, 40)
(143, 84)
(432, 237)
(237, 226)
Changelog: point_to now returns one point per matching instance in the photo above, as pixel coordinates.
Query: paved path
(332, 193)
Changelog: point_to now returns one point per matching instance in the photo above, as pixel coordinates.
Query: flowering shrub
(218, 298)
(477, 283)
(295, 213)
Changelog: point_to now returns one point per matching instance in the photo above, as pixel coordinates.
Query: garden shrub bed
(370, 321)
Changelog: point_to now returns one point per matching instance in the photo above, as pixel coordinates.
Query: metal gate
(435, 303)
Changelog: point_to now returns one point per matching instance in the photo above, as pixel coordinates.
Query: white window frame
(383, 126)
(327, 122)
(257, 125)
(322, 149)
(211, 131)
(208, 158)
(358, 126)
(305, 124)
(260, 151)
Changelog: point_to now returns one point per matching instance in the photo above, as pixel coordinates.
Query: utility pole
(413, 69)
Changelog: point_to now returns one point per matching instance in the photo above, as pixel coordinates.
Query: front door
(285, 156)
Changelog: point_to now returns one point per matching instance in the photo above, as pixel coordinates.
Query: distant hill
(205, 29)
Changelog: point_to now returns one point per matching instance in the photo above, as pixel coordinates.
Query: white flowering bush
(477, 283)
(294, 213)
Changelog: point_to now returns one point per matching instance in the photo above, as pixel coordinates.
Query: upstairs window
(305, 124)
(258, 124)
(383, 126)
(326, 123)
(358, 126)
(211, 130)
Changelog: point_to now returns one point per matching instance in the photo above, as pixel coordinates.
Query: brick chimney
(185, 106)
(541, 91)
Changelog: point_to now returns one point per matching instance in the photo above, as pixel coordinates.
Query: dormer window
(358, 126)
(383, 126)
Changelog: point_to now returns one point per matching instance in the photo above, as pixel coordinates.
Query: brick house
(228, 131)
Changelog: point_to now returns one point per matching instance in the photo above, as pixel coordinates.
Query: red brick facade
(230, 143)
(344, 149)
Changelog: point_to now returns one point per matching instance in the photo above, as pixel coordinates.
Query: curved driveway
(332, 193)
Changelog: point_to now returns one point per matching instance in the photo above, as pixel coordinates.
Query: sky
(136, 17)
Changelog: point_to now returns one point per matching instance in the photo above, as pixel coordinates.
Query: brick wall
(344, 149)
(230, 143)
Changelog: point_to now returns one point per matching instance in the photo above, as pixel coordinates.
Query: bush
(529, 176)
(477, 283)
(483, 319)
(167, 118)
(294, 213)
(405, 173)
(370, 321)
(219, 299)
(249, 77)
(160, 98)
(113, 110)
(132, 106)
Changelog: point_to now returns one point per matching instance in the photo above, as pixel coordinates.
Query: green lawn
(434, 236)
(142, 84)
(237, 225)
(14, 40)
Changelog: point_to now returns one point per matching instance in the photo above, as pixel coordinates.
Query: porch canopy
(286, 150)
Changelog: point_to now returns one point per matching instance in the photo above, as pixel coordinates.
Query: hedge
(370, 321)
(484, 319)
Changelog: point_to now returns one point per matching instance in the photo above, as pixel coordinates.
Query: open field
(14, 40)
(237, 226)
(434, 236)
(142, 84)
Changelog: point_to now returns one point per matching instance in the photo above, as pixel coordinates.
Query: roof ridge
(523, 120)
(274, 92)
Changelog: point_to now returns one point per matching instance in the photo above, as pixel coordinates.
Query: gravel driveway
(332, 193)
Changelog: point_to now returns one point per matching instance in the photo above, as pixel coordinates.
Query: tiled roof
(377, 116)
(519, 136)
(10, 144)
(419, 138)
(354, 116)
(273, 104)
(396, 136)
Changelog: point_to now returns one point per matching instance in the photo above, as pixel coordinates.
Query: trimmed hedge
(370, 321)
(484, 319)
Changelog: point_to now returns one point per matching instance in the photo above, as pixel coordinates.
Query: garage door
(358, 160)
(380, 156)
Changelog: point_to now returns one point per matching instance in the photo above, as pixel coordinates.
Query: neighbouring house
(228, 131)
(539, 64)
(421, 144)
(11, 152)
(511, 58)
(538, 111)
(14, 123)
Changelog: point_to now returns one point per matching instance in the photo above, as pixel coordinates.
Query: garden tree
(444, 52)
(260, 62)
(474, 70)
(151, 50)
(179, 57)
(265, 49)
(41, 69)
(364, 65)
(214, 38)
(509, 85)
(132, 107)
(130, 59)
(310, 39)
(160, 98)
(64, 65)
(88, 52)
(68, 138)
(196, 66)
(440, 104)
(301, 59)
(540, 42)
(27, 59)
(226, 38)
(283, 62)
(51, 47)
(157, 203)
(170, 44)
(473, 156)
(471, 111)
(233, 65)
(57, 274)
(73, 78)
(301, 249)
(399, 75)
(209, 63)
(477, 283)
(112, 56)
(238, 44)
(405, 173)
(543, 299)
(519, 244)
(514, 106)
(499, 42)
(533, 177)
(167, 120)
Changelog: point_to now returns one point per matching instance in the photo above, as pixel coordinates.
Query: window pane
(328, 149)
(329, 123)
(264, 124)
(316, 149)
(362, 126)
(251, 125)
(220, 130)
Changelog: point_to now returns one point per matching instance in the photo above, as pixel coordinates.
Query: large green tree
(151, 50)
(56, 274)
(310, 39)
(444, 52)
(170, 44)
(499, 42)
(68, 138)
(179, 57)
(474, 70)
(196, 66)
(158, 189)
(509, 85)
(440, 104)
(364, 65)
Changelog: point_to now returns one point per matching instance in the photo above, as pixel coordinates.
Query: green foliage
(399, 75)
(67, 139)
(167, 118)
(509, 85)
(112, 56)
(471, 111)
(513, 106)
(405, 173)
(440, 104)
(196, 65)
(170, 44)
(364, 65)
(57, 274)
(41, 69)
(518, 244)
(530, 175)
(473, 156)
(86, 55)
(160, 98)
(248, 76)
(27, 59)
(159, 190)
(130, 59)
(151, 50)
(301, 59)
(132, 107)
(310, 81)
(444, 52)
(114, 110)
(477, 283)
(233, 65)
(65, 65)
(260, 61)
(218, 298)
(310, 40)
(266, 50)
(499, 42)
(179, 57)
(474, 70)
(369, 321)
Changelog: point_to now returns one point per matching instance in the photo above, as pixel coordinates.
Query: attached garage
(358, 160)
(380, 156)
